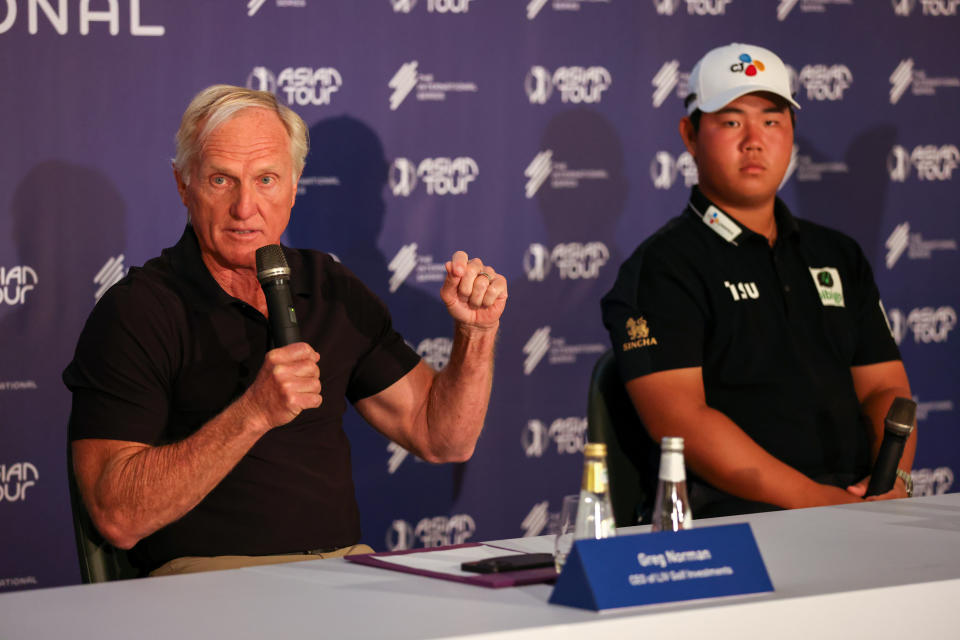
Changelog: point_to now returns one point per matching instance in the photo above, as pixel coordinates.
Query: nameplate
(651, 568)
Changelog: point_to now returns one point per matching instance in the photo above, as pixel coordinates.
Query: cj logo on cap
(747, 65)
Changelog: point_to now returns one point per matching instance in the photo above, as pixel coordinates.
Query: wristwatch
(907, 481)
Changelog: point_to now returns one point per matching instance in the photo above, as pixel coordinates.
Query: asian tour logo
(572, 260)
(435, 351)
(824, 82)
(935, 8)
(16, 479)
(932, 482)
(110, 273)
(905, 76)
(402, 177)
(301, 86)
(927, 324)
(16, 283)
(561, 175)
(538, 84)
(576, 85)
(441, 176)
(408, 77)
(433, 6)
(568, 434)
(542, 344)
(408, 261)
(902, 240)
(694, 7)
(932, 163)
(438, 531)
(665, 168)
(447, 176)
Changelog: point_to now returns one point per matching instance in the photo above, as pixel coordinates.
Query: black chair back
(632, 457)
(99, 560)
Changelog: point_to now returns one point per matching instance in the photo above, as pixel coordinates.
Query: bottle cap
(671, 444)
(595, 449)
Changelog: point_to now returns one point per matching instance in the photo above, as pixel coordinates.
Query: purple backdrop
(539, 134)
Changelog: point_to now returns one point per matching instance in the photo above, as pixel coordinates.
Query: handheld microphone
(274, 276)
(897, 426)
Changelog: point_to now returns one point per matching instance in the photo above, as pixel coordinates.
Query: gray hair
(216, 105)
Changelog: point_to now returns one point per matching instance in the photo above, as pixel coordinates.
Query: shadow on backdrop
(340, 209)
(68, 222)
(556, 312)
(834, 201)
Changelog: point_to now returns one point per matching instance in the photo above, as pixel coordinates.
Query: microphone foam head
(271, 263)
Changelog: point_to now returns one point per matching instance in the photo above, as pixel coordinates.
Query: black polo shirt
(775, 330)
(166, 349)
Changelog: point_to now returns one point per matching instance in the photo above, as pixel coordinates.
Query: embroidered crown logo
(637, 328)
(639, 334)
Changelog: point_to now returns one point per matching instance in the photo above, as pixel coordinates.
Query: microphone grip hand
(287, 384)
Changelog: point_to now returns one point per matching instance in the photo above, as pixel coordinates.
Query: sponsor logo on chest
(829, 287)
(742, 290)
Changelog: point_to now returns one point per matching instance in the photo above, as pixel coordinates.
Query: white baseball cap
(726, 73)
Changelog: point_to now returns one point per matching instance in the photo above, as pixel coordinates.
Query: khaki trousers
(193, 564)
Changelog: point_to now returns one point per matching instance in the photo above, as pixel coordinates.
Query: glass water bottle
(671, 508)
(595, 510)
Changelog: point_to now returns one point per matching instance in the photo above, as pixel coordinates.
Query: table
(882, 570)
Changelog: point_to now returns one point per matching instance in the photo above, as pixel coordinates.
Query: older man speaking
(196, 443)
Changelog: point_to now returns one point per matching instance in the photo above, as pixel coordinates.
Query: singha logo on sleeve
(639, 333)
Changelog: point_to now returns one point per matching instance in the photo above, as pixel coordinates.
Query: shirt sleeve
(875, 342)
(386, 357)
(121, 366)
(656, 314)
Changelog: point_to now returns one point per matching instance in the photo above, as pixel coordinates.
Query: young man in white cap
(756, 336)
